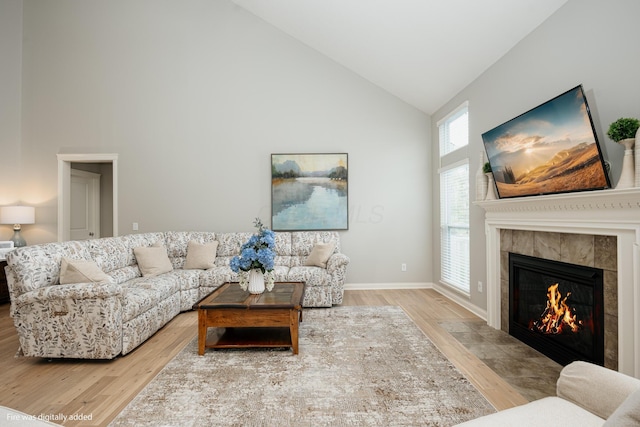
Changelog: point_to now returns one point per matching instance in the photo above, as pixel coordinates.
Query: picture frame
(309, 191)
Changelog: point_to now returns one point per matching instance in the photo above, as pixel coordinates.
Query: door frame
(64, 188)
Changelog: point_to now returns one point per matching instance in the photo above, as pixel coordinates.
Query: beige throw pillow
(81, 271)
(152, 260)
(200, 255)
(320, 254)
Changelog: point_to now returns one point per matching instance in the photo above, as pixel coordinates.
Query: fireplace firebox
(557, 308)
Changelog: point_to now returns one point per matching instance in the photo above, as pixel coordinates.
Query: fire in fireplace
(557, 308)
(558, 317)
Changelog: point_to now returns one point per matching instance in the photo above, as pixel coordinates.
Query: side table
(4, 289)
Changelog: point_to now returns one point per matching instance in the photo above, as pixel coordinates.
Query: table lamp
(17, 215)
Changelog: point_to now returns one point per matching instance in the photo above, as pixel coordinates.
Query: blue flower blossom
(257, 252)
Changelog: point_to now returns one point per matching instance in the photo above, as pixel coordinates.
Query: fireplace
(557, 308)
(606, 218)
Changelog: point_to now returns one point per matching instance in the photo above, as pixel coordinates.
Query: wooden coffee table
(270, 319)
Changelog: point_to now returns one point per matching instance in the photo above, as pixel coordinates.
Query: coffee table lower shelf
(254, 337)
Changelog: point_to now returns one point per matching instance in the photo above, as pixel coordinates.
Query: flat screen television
(552, 148)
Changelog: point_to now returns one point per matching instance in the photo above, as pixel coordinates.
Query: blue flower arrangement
(256, 253)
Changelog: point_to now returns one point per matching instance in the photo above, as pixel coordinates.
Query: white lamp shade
(17, 215)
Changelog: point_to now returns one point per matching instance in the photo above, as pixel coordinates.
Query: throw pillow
(627, 414)
(152, 260)
(200, 255)
(320, 254)
(81, 271)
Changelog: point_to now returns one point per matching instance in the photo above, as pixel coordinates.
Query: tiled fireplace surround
(599, 229)
(580, 249)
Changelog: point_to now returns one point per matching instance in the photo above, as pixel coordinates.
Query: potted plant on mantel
(491, 187)
(623, 131)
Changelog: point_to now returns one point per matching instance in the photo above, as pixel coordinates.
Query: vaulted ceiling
(422, 51)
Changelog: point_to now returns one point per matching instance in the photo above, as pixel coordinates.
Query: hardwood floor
(99, 390)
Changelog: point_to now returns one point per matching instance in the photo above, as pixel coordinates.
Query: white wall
(194, 96)
(588, 42)
(10, 68)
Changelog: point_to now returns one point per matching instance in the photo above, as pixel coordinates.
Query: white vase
(481, 180)
(637, 158)
(491, 187)
(627, 177)
(256, 281)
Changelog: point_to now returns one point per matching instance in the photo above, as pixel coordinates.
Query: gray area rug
(358, 366)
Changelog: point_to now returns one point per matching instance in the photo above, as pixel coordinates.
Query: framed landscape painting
(552, 148)
(309, 192)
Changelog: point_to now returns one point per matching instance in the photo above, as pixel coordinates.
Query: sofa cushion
(111, 253)
(81, 271)
(320, 254)
(141, 294)
(125, 274)
(313, 276)
(543, 412)
(281, 273)
(152, 260)
(187, 279)
(282, 249)
(627, 414)
(229, 246)
(200, 256)
(177, 241)
(302, 243)
(39, 265)
(216, 276)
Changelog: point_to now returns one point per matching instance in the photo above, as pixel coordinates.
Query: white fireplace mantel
(602, 212)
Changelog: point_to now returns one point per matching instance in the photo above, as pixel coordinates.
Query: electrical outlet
(135, 226)
(403, 267)
(479, 286)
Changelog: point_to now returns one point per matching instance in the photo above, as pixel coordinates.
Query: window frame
(445, 121)
(455, 157)
(445, 232)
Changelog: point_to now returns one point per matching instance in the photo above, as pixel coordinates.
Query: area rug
(357, 366)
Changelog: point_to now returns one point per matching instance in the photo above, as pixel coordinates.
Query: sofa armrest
(75, 291)
(82, 320)
(337, 261)
(597, 389)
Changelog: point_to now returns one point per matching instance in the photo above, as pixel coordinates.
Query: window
(454, 226)
(454, 130)
(454, 200)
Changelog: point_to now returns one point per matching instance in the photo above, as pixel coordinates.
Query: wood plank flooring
(99, 390)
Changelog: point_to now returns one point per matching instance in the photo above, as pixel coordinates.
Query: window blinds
(454, 226)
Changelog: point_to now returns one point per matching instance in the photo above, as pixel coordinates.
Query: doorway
(75, 174)
(85, 205)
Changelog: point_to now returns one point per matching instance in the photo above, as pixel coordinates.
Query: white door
(85, 205)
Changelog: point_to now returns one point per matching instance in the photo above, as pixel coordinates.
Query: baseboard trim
(460, 300)
(377, 286)
(443, 290)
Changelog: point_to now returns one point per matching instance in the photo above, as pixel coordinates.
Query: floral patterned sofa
(102, 319)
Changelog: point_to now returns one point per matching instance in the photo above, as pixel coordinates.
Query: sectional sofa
(108, 303)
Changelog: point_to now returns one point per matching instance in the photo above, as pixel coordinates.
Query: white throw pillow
(200, 255)
(152, 260)
(81, 271)
(320, 254)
